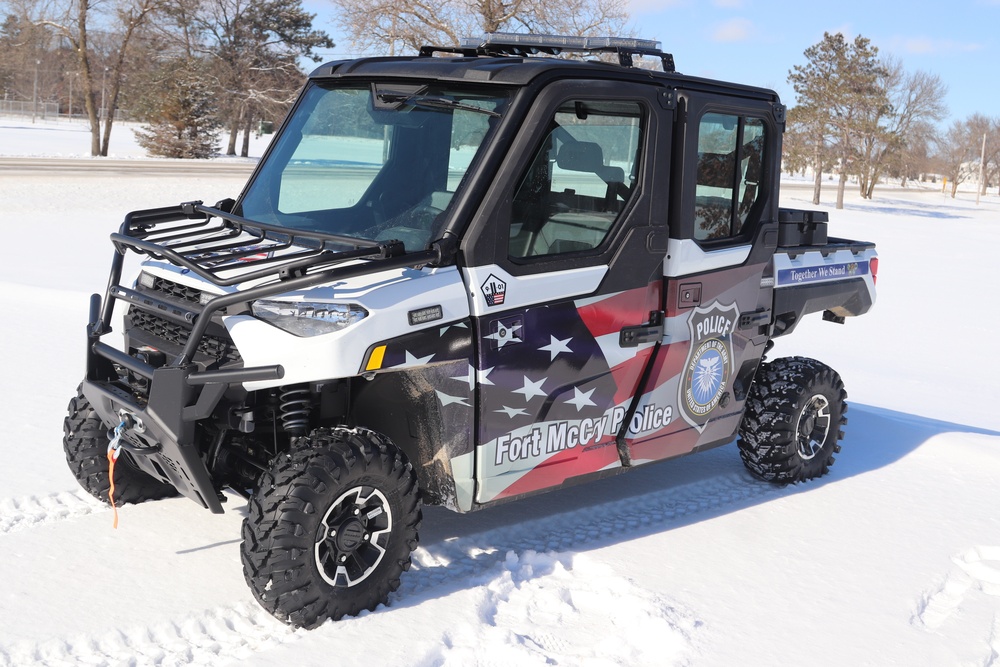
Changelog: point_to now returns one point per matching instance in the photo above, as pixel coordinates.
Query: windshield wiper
(433, 102)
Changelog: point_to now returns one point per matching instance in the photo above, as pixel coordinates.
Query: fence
(45, 110)
(15, 108)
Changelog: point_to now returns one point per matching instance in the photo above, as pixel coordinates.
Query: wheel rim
(353, 536)
(813, 426)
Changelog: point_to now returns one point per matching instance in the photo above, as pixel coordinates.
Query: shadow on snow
(465, 550)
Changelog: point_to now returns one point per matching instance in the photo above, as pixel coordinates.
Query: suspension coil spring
(295, 403)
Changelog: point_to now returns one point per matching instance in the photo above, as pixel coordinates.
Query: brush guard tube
(179, 397)
(180, 392)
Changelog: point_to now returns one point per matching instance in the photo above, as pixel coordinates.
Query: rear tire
(792, 425)
(331, 527)
(85, 441)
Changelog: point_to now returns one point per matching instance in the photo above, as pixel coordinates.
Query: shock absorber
(294, 405)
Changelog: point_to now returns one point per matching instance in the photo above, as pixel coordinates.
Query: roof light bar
(522, 44)
(567, 42)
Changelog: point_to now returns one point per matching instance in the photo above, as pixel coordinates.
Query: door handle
(651, 332)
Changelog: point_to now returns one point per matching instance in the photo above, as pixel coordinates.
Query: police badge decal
(710, 363)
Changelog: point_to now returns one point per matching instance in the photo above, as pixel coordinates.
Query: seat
(587, 156)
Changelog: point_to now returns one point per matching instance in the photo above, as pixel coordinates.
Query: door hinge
(756, 318)
(651, 332)
(667, 99)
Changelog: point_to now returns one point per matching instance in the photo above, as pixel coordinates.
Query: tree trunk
(234, 130)
(245, 149)
(88, 78)
(869, 191)
(954, 188)
(844, 162)
(112, 106)
(817, 175)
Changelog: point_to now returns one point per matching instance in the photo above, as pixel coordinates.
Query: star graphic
(531, 389)
(457, 325)
(448, 400)
(504, 335)
(415, 361)
(581, 399)
(511, 412)
(483, 376)
(469, 377)
(556, 346)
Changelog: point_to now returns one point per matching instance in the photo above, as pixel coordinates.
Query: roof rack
(518, 44)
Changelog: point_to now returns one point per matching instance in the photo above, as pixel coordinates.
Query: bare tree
(916, 155)
(397, 26)
(960, 151)
(27, 59)
(74, 21)
(806, 144)
(992, 165)
(914, 100)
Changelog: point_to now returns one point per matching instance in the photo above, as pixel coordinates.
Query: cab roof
(518, 60)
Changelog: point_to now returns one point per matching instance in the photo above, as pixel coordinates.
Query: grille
(173, 290)
(218, 348)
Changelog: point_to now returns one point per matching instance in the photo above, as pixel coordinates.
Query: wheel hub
(813, 426)
(352, 537)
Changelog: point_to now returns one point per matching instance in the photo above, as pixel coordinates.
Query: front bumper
(161, 439)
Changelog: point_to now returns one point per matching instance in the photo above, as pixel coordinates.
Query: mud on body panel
(421, 395)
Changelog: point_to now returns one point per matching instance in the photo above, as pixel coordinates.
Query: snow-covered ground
(64, 137)
(892, 559)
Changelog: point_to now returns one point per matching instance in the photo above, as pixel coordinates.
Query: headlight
(308, 318)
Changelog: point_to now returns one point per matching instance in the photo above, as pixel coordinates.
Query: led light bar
(521, 44)
(566, 42)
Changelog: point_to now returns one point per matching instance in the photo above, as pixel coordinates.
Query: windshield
(374, 161)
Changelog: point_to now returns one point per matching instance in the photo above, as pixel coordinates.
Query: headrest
(580, 156)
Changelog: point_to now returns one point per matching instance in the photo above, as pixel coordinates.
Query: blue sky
(758, 42)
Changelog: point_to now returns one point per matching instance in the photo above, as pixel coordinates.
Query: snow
(891, 559)
(63, 137)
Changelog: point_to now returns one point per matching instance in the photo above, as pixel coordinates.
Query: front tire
(791, 429)
(85, 441)
(331, 527)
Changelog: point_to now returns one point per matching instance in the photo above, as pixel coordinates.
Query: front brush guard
(161, 439)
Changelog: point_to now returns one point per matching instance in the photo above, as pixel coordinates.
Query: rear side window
(730, 167)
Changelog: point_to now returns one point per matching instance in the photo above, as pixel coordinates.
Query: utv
(458, 279)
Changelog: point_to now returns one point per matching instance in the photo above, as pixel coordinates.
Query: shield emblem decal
(710, 363)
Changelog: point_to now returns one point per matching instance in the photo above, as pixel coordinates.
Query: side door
(718, 275)
(565, 281)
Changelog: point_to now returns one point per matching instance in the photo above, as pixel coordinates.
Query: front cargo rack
(228, 250)
(234, 249)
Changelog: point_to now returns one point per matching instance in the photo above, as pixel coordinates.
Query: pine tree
(837, 89)
(184, 124)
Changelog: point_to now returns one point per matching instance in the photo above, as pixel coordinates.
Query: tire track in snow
(226, 635)
(993, 660)
(29, 511)
(977, 569)
(471, 556)
(217, 636)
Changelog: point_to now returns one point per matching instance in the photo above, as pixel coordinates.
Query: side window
(730, 166)
(579, 180)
